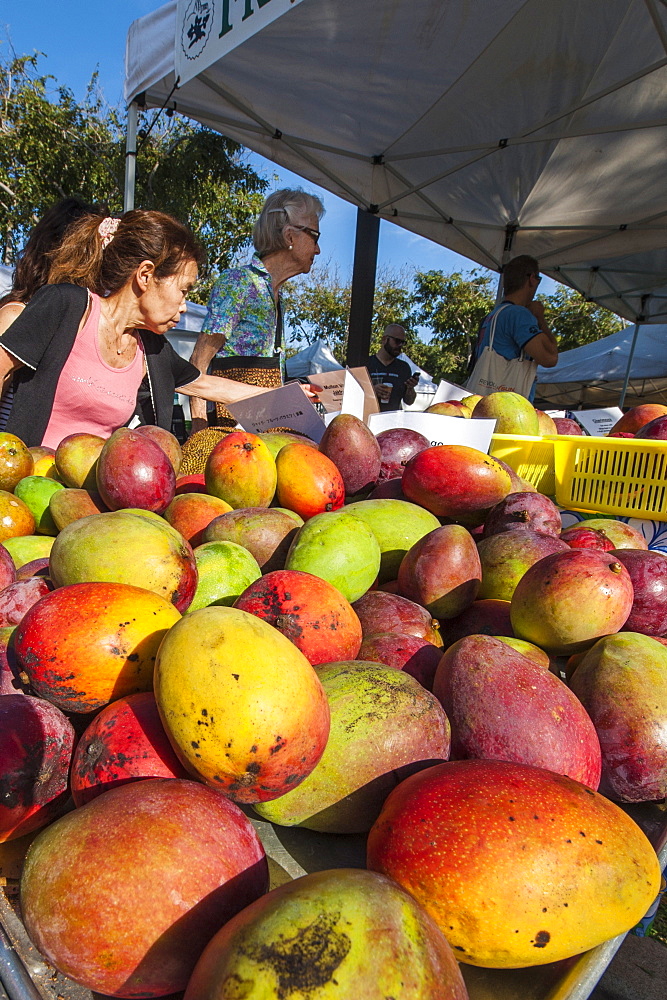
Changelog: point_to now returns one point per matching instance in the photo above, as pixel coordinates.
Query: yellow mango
(244, 709)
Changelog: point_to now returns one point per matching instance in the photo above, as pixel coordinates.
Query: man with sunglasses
(392, 378)
(518, 320)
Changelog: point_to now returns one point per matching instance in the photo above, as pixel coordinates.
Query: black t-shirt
(398, 372)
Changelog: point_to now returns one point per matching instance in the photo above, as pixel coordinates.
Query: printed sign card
(287, 406)
(447, 390)
(437, 428)
(333, 385)
(598, 422)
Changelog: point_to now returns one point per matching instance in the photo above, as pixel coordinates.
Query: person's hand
(383, 392)
(537, 309)
(198, 424)
(411, 382)
(311, 391)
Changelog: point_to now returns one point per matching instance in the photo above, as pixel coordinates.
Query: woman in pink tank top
(82, 356)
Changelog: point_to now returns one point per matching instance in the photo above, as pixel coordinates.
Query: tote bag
(494, 373)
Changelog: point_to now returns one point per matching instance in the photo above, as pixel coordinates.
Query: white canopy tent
(519, 126)
(596, 374)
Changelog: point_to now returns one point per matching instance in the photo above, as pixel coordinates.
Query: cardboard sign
(438, 428)
(333, 387)
(598, 422)
(447, 390)
(287, 406)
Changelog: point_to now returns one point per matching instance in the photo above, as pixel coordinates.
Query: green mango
(225, 570)
(340, 548)
(397, 525)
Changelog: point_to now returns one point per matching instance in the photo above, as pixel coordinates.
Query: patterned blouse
(241, 306)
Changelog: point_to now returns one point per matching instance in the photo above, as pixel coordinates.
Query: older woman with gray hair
(241, 337)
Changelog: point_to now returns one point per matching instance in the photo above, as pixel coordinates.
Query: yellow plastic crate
(623, 476)
(532, 458)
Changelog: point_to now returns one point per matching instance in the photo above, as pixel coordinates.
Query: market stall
(524, 127)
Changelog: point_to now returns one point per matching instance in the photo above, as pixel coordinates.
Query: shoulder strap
(492, 324)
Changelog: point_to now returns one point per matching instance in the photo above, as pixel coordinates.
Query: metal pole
(130, 157)
(627, 370)
(363, 287)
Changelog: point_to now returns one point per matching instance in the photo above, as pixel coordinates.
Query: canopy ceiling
(518, 126)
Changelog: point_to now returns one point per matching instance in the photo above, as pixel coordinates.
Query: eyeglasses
(397, 340)
(538, 277)
(314, 233)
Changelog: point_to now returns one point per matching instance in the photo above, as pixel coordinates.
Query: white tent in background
(595, 374)
(519, 126)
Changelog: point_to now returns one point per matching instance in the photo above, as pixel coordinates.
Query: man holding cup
(392, 378)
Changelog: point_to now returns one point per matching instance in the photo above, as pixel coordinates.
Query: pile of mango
(373, 637)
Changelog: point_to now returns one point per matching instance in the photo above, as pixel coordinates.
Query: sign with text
(447, 390)
(287, 406)
(598, 422)
(333, 385)
(438, 428)
(206, 30)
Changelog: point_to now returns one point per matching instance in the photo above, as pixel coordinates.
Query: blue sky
(80, 36)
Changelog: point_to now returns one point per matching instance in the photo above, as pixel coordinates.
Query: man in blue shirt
(520, 325)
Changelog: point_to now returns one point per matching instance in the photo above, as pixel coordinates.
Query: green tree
(451, 307)
(318, 307)
(53, 146)
(575, 321)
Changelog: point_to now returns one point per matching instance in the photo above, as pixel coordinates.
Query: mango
(513, 413)
(308, 482)
(76, 460)
(36, 745)
(69, 505)
(16, 518)
(397, 525)
(275, 440)
(25, 548)
(265, 532)
(442, 571)
(134, 471)
(568, 600)
(36, 493)
(455, 481)
(355, 452)
(224, 570)
(340, 548)
(16, 462)
(502, 705)
(382, 720)
(505, 557)
(622, 684)
(313, 937)
(552, 870)
(382, 612)
(187, 860)
(84, 645)
(166, 440)
(121, 547)
(241, 471)
(242, 706)
(312, 613)
(191, 513)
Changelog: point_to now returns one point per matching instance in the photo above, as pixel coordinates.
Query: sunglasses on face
(397, 340)
(313, 233)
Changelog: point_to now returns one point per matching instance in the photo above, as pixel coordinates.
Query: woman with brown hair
(84, 342)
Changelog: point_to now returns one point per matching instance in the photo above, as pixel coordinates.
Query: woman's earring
(291, 247)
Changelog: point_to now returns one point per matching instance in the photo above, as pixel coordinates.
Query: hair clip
(107, 229)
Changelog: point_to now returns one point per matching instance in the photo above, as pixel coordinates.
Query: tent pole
(130, 156)
(363, 287)
(627, 370)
